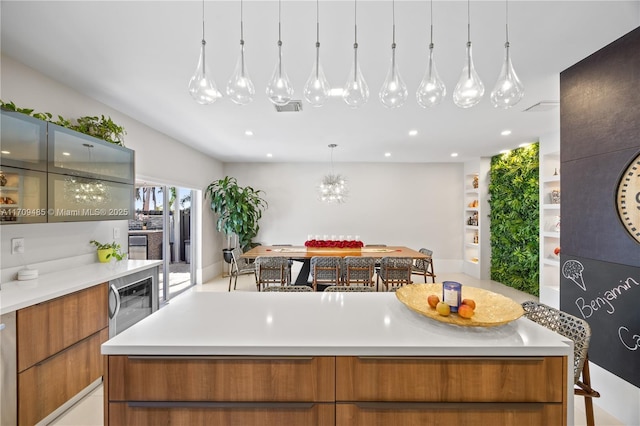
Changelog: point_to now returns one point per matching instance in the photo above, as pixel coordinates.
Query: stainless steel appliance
(137, 247)
(132, 298)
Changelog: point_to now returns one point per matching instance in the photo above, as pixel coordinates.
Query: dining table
(304, 254)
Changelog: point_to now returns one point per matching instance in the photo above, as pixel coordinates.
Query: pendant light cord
(355, 40)
(203, 43)
(279, 24)
(431, 19)
(393, 17)
(317, 40)
(241, 24)
(469, 39)
(507, 23)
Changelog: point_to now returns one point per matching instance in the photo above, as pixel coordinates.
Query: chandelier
(333, 188)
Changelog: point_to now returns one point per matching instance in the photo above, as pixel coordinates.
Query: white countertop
(16, 295)
(359, 324)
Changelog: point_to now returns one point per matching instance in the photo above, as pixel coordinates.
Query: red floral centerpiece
(334, 244)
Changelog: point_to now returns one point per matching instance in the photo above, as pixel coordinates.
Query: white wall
(414, 205)
(158, 158)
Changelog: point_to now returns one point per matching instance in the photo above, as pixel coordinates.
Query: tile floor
(89, 411)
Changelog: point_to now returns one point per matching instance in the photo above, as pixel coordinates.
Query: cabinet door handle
(232, 405)
(454, 358)
(461, 406)
(219, 358)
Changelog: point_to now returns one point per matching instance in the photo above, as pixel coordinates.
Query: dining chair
(290, 260)
(394, 272)
(577, 330)
(239, 266)
(358, 271)
(271, 271)
(377, 259)
(290, 289)
(424, 267)
(348, 288)
(325, 270)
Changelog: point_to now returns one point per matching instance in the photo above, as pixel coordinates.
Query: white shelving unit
(476, 252)
(550, 225)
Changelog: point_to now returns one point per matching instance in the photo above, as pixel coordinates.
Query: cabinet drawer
(426, 414)
(482, 379)
(47, 385)
(240, 414)
(292, 379)
(47, 328)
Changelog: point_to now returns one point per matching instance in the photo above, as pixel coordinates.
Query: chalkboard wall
(600, 261)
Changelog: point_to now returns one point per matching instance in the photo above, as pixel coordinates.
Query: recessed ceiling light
(248, 132)
(387, 154)
(413, 132)
(505, 151)
(505, 132)
(66, 154)
(336, 92)
(5, 152)
(454, 154)
(269, 155)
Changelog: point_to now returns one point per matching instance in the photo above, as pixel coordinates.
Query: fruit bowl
(492, 309)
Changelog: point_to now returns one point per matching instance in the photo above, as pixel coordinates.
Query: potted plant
(108, 251)
(238, 208)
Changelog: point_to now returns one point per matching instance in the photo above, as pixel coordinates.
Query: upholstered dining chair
(290, 289)
(394, 272)
(349, 288)
(577, 330)
(358, 271)
(239, 266)
(424, 267)
(290, 261)
(271, 271)
(325, 270)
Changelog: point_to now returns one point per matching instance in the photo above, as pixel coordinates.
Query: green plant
(115, 248)
(100, 127)
(514, 201)
(238, 208)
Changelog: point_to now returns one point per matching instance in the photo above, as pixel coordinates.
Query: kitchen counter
(299, 324)
(21, 294)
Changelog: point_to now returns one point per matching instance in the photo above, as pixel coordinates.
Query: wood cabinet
(58, 350)
(336, 390)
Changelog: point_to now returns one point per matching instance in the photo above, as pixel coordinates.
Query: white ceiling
(138, 56)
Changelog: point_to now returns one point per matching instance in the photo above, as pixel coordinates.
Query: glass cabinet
(78, 199)
(24, 141)
(73, 153)
(22, 196)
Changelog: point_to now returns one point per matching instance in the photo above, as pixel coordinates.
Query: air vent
(543, 106)
(291, 106)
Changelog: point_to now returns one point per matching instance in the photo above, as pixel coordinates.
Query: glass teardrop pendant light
(240, 87)
(432, 89)
(279, 89)
(508, 89)
(317, 89)
(201, 86)
(394, 92)
(356, 91)
(469, 90)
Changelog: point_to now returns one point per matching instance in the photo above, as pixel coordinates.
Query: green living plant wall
(514, 202)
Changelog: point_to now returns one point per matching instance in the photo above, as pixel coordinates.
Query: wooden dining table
(306, 253)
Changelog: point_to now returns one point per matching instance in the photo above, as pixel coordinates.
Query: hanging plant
(514, 201)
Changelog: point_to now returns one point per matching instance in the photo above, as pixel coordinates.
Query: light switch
(17, 245)
(116, 233)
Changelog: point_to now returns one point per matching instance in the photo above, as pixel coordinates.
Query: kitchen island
(331, 358)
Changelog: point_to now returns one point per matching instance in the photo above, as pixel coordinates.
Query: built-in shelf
(550, 198)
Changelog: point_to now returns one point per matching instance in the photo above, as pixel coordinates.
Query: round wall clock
(628, 198)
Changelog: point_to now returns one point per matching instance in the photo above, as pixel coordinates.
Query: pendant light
(394, 92)
(508, 89)
(333, 188)
(469, 90)
(279, 89)
(240, 87)
(432, 89)
(356, 91)
(201, 86)
(317, 89)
